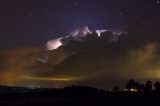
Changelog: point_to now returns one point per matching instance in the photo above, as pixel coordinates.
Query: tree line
(148, 86)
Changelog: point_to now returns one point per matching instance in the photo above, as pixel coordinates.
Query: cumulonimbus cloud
(77, 34)
(95, 61)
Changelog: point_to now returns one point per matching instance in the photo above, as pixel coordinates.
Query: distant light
(125, 89)
(32, 87)
(131, 90)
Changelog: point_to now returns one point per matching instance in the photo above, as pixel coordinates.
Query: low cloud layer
(96, 61)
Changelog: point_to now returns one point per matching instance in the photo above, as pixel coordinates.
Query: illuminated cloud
(100, 31)
(54, 44)
(80, 32)
(16, 63)
(79, 35)
(43, 60)
(95, 61)
(20, 66)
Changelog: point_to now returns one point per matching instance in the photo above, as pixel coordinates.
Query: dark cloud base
(96, 61)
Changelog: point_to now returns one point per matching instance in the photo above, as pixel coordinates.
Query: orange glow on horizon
(52, 78)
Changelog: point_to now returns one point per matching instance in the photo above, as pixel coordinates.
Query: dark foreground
(79, 96)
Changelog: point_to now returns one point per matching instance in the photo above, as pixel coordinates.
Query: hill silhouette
(81, 96)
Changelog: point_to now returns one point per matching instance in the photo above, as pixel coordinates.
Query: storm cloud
(96, 61)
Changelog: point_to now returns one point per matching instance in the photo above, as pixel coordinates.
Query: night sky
(33, 22)
(129, 48)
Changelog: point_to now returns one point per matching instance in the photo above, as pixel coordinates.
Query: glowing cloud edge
(77, 34)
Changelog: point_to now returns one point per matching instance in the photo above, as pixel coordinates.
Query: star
(31, 14)
(50, 2)
(11, 13)
(157, 1)
(46, 11)
(149, 7)
(120, 13)
(66, 16)
(76, 3)
(8, 44)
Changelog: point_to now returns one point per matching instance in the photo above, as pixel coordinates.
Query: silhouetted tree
(148, 86)
(142, 87)
(157, 86)
(132, 84)
(115, 89)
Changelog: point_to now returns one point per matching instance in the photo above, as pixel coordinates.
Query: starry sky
(33, 22)
(27, 25)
